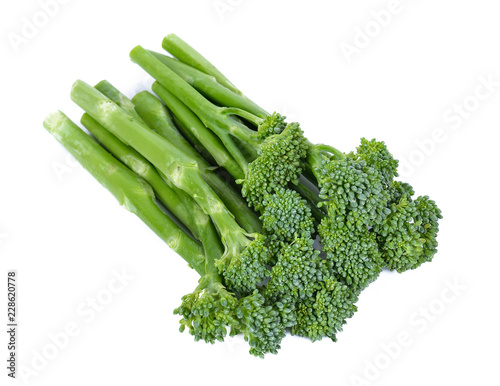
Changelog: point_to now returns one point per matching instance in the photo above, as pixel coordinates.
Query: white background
(66, 235)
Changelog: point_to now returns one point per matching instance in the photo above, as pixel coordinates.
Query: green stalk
(210, 241)
(312, 199)
(143, 168)
(198, 130)
(211, 115)
(330, 150)
(158, 117)
(130, 190)
(116, 96)
(151, 110)
(154, 114)
(185, 53)
(196, 143)
(181, 170)
(209, 87)
(148, 110)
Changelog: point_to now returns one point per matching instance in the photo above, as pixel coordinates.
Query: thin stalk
(196, 143)
(331, 150)
(312, 200)
(156, 115)
(142, 167)
(130, 190)
(187, 54)
(118, 97)
(210, 241)
(209, 87)
(197, 129)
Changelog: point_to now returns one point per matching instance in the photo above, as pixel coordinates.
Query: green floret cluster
(279, 164)
(245, 271)
(286, 215)
(354, 252)
(272, 124)
(284, 234)
(324, 314)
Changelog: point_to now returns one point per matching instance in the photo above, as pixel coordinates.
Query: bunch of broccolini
(285, 234)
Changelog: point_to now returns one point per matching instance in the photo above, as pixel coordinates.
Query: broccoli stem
(118, 97)
(211, 115)
(312, 199)
(209, 87)
(150, 111)
(210, 241)
(198, 130)
(182, 170)
(197, 145)
(185, 53)
(155, 114)
(130, 190)
(142, 167)
(331, 150)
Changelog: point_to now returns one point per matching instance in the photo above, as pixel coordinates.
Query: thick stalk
(130, 190)
(181, 169)
(152, 111)
(209, 87)
(187, 54)
(142, 167)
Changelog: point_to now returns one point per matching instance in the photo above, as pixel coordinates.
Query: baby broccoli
(284, 234)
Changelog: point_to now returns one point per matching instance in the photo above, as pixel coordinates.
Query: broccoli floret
(287, 215)
(399, 190)
(244, 272)
(207, 311)
(407, 238)
(353, 252)
(297, 271)
(376, 155)
(272, 124)
(263, 325)
(211, 310)
(324, 314)
(322, 304)
(279, 164)
(426, 220)
(354, 190)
